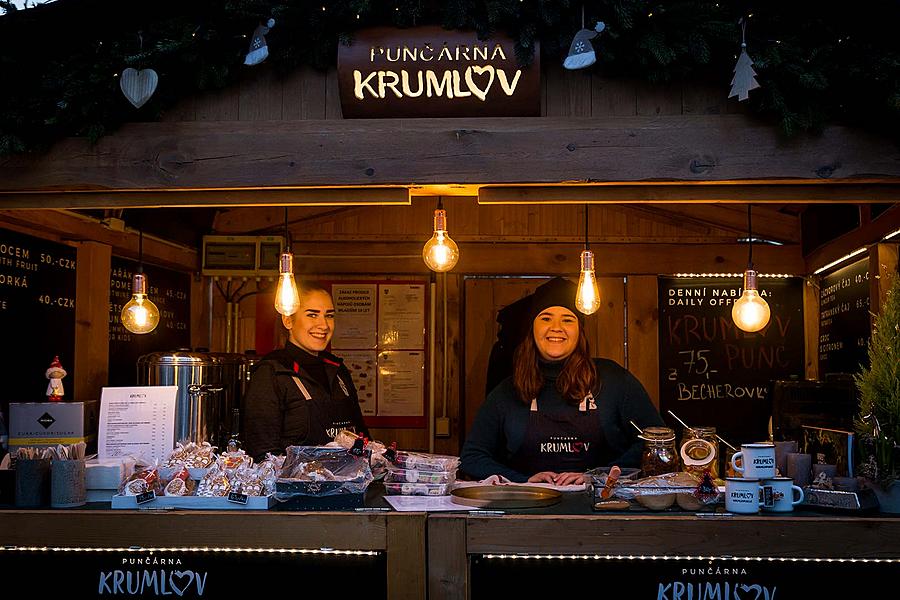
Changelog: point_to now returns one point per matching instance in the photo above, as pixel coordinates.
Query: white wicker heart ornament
(138, 86)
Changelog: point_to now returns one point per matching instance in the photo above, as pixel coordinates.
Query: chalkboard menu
(37, 315)
(844, 326)
(171, 292)
(713, 374)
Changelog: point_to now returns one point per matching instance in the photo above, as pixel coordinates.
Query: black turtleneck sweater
(499, 427)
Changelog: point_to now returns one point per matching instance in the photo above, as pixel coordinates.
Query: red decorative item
(55, 374)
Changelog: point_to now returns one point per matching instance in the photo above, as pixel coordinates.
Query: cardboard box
(52, 423)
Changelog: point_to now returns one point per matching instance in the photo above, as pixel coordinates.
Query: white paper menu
(137, 421)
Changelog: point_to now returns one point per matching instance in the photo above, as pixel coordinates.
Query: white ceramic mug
(780, 494)
(742, 495)
(757, 461)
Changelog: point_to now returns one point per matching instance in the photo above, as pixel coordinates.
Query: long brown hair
(577, 379)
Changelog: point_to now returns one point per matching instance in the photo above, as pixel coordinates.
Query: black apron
(562, 444)
(330, 414)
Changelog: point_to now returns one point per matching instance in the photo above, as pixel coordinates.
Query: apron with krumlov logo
(560, 443)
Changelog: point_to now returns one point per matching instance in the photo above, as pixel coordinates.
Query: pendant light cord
(586, 242)
(287, 233)
(140, 268)
(750, 237)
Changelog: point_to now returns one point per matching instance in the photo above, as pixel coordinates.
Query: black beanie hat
(556, 292)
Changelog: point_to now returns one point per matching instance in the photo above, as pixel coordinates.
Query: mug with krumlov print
(757, 461)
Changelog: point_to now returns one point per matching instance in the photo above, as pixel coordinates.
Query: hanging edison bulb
(751, 312)
(440, 252)
(587, 298)
(140, 315)
(287, 296)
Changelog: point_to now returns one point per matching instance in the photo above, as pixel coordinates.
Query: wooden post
(882, 271)
(406, 564)
(811, 326)
(643, 332)
(453, 347)
(448, 562)
(91, 319)
(606, 327)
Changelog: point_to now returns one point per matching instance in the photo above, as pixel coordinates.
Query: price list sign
(171, 292)
(844, 326)
(711, 372)
(37, 314)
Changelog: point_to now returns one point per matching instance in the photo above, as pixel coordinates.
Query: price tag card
(145, 497)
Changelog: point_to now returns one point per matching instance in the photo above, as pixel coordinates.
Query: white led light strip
(769, 275)
(698, 558)
(136, 550)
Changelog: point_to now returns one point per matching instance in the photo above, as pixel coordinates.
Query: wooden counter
(400, 536)
(455, 540)
(439, 551)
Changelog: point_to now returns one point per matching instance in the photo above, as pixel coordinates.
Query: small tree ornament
(744, 78)
(55, 374)
(259, 49)
(138, 85)
(581, 52)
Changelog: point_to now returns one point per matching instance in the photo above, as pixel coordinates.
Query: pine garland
(58, 61)
(879, 388)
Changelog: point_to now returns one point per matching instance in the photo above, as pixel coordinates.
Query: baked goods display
(660, 492)
(322, 471)
(227, 473)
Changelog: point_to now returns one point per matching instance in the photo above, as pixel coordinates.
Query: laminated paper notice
(401, 316)
(354, 305)
(361, 364)
(401, 384)
(137, 421)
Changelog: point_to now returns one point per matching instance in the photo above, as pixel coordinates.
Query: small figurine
(55, 374)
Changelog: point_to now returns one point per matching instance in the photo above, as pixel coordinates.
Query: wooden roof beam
(709, 193)
(230, 156)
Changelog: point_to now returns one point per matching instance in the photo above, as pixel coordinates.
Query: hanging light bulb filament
(587, 297)
(287, 296)
(750, 312)
(139, 315)
(440, 252)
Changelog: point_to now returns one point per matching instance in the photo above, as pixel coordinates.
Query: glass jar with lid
(700, 451)
(660, 455)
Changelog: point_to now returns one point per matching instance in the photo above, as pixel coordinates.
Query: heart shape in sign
(481, 93)
(755, 587)
(184, 581)
(138, 86)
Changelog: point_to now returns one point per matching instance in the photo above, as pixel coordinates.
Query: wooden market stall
(658, 178)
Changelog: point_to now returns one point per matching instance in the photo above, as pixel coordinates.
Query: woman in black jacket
(561, 413)
(301, 394)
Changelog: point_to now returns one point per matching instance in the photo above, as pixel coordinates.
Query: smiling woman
(562, 412)
(302, 395)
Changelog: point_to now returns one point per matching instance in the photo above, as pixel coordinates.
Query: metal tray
(505, 496)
